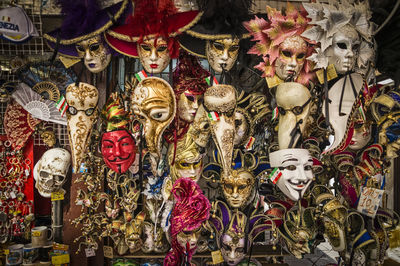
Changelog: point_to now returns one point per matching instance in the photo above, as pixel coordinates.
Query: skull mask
(51, 170)
(293, 100)
(81, 116)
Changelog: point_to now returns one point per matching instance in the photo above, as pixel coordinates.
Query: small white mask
(296, 168)
(344, 49)
(51, 170)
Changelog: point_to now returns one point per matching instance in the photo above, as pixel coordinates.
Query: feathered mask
(269, 35)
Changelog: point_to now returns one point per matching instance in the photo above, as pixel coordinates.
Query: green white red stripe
(275, 175)
(275, 113)
(62, 105)
(250, 143)
(213, 116)
(361, 109)
(208, 80)
(141, 75)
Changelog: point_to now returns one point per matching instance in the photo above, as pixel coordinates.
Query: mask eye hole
(218, 46)
(297, 110)
(159, 115)
(308, 167)
(342, 45)
(44, 174)
(238, 122)
(286, 53)
(240, 250)
(291, 167)
(356, 47)
(145, 47)
(234, 48)
(190, 98)
(80, 49)
(301, 56)
(228, 188)
(72, 110)
(94, 47)
(89, 111)
(161, 48)
(242, 187)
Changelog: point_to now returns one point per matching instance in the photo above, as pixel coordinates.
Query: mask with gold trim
(292, 56)
(81, 116)
(222, 53)
(201, 127)
(133, 233)
(293, 101)
(153, 102)
(220, 100)
(154, 55)
(95, 54)
(362, 132)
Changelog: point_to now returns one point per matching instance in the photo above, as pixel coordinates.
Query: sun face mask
(292, 55)
(296, 168)
(293, 100)
(96, 56)
(153, 101)
(81, 115)
(238, 188)
(222, 54)
(220, 103)
(154, 55)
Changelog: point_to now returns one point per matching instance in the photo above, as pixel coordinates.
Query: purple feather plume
(80, 17)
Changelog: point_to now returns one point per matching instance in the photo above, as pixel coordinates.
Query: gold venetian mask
(154, 55)
(95, 54)
(291, 58)
(238, 188)
(190, 237)
(222, 53)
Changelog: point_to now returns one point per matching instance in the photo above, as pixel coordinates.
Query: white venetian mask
(95, 54)
(154, 56)
(222, 54)
(292, 55)
(296, 168)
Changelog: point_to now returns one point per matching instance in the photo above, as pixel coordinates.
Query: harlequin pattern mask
(222, 54)
(296, 168)
(154, 55)
(96, 56)
(118, 149)
(81, 115)
(293, 100)
(153, 101)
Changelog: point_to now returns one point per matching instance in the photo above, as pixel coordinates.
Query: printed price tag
(89, 252)
(60, 259)
(217, 257)
(59, 195)
(6, 251)
(370, 199)
(36, 233)
(108, 252)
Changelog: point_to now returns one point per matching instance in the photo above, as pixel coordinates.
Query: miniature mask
(153, 101)
(81, 115)
(154, 55)
(51, 170)
(96, 56)
(296, 168)
(222, 54)
(293, 100)
(292, 55)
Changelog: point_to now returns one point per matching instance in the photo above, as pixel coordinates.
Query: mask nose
(225, 55)
(292, 62)
(88, 56)
(153, 55)
(196, 103)
(301, 174)
(232, 255)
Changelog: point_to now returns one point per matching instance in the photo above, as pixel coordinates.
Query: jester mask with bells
(239, 183)
(235, 231)
(117, 143)
(51, 170)
(220, 103)
(344, 33)
(293, 171)
(81, 116)
(281, 46)
(294, 101)
(153, 102)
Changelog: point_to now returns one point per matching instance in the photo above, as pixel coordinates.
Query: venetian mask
(153, 102)
(292, 55)
(295, 165)
(134, 232)
(81, 116)
(238, 188)
(293, 100)
(187, 106)
(51, 170)
(222, 53)
(96, 56)
(361, 135)
(185, 237)
(242, 124)
(185, 5)
(389, 136)
(220, 103)
(344, 49)
(118, 149)
(154, 55)
(201, 127)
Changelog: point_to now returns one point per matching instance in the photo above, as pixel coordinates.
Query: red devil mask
(119, 149)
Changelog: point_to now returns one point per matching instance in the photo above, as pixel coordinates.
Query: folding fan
(33, 103)
(48, 79)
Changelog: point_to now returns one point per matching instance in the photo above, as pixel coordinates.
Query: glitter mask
(154, 56)
(81, 116)
(296, 168)
(222, 54)
(95, 54)
(153, 102)
(187, 106)
(292, 54)
(293, 100)
(238, 188)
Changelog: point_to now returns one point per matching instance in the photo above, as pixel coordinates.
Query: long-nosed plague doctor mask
(82, 102)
